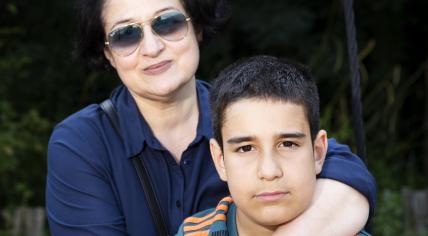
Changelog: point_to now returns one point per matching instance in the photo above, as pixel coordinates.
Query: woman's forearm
(336, 209)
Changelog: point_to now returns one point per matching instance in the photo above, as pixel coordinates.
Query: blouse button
(186, 162)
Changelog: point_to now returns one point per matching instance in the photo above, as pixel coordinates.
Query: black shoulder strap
(109, 109)
(142, 172)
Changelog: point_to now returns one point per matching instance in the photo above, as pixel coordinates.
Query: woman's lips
(157, 68)
(271, 196)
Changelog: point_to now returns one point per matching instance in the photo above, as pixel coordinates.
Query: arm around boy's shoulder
(346, 167)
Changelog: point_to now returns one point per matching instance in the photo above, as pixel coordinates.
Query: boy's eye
(288, 144)
(246, 148)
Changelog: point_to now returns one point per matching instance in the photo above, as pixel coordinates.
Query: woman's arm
(345, 195)
(336, 209)
(79, 197)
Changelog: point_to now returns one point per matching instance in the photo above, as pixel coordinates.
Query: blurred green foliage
(389, 216)
(22, 156)
(40, 84)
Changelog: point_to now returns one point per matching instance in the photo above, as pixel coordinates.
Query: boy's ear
(109, 56)
(217, 155)
(320, 150)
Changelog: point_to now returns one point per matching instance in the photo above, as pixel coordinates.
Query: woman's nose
(151, 44)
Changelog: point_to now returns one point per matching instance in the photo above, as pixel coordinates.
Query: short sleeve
(79, 196)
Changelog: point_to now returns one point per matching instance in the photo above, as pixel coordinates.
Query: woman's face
(158, 68)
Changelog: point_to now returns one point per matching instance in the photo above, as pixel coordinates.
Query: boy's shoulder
(209, 222)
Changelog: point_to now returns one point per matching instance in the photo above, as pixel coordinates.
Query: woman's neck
(174, 119)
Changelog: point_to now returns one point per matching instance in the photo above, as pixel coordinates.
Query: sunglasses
(170, 26)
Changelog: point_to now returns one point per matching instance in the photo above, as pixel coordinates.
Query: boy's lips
(271, 196)
(157, 68)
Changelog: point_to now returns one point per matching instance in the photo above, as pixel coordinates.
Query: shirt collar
(129, 120)
(231, 220)
(204, 124)
(133, 125)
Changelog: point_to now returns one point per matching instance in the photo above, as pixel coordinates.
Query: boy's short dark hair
(264, 77)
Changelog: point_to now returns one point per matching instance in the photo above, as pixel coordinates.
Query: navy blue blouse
(93, 189)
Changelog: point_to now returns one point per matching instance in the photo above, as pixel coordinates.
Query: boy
(267, 146)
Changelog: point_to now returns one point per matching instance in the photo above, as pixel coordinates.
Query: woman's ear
(108, 54)
(198, 32)
(320, 150)
(200, 35)
(217, 155)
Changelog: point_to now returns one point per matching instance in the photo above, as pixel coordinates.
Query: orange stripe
(220, 206)
(227, 199)
(193, 219)
(199, 233)
(203, 224)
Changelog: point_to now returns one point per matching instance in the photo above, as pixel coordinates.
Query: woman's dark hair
(207, 15)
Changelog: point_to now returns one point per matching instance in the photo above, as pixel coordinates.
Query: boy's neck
(248, 227)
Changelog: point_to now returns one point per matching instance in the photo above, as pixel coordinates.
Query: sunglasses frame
(141, 25)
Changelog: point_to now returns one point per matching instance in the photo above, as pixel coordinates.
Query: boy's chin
(279, 215)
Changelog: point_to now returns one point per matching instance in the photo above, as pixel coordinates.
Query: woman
(163, 114)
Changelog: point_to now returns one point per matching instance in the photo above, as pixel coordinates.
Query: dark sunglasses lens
(125, 40)
(170, 26)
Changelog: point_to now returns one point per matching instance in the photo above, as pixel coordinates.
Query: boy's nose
(269, 167)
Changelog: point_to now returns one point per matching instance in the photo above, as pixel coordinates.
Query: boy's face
(268, 160)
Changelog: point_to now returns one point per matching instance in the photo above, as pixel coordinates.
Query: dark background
(40, 84)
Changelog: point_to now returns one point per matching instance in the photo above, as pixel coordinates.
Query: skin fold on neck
(173, 119)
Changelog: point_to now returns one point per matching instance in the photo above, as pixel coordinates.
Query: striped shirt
(219, 221)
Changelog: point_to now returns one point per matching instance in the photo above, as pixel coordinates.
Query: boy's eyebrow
(240, 139)
(235, 140)
(292, 135)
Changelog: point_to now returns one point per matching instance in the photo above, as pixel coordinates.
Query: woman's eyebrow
(131, 19)
(163, 9)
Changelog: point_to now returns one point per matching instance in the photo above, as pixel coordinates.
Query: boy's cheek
(238, 188)
(240, 177)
